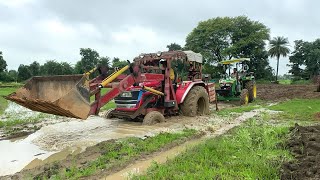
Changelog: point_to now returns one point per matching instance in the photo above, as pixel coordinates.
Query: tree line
(217, 39)
(90, 58)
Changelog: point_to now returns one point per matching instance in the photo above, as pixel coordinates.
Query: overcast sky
(44, 30)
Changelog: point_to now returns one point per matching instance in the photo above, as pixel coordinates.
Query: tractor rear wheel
(252, 88)
(196, 102)
(153, 117)
(244, 97)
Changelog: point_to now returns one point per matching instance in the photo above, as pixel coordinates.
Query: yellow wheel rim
(254, 91)
(246, 99)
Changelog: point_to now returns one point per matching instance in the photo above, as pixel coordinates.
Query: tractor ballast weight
(152, 84)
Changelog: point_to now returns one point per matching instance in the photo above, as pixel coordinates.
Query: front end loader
(153, 87)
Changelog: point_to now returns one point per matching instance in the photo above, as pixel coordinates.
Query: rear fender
(184, 88)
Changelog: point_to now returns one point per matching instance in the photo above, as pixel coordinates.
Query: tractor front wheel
(153, 117)
(109, 114)
(252, 88)
(244, 97)
(196, 102)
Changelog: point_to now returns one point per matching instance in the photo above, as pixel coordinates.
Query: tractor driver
(234, 73)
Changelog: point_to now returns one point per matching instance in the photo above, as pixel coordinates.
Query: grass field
(252, 151)
(255, 150)
(298, 109)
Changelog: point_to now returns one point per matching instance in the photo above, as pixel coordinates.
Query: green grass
(301, 82)
(109, 105)
(252, 151)
(119, 154)
(4, 92)
(285, 81)
(263, 81)
(12, 121)
(298, 109)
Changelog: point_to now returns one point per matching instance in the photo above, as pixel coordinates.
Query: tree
(223, 38)
(117, 63)
(51, 68)
(279, 47)
(3, 63)
(89, 60)
(24, 72)
(105, 61)
(298, 58)
(34, 68)
(66, 68)
(13, 74)
(174, 47)
(307, 54)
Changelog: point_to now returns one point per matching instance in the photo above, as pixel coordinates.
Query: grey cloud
(170, 21)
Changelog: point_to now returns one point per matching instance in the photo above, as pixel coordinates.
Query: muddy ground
(305, 145)
(57, 134)
(280, 92)
(210, 126)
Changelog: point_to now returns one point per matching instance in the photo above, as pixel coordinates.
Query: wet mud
(280, 92)
(305, 145)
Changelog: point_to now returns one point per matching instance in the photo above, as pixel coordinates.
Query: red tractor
(157, 85)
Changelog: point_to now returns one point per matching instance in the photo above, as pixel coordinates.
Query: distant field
(4, 92)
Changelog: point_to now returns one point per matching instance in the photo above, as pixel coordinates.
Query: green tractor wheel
(252, 90)
(244, 97)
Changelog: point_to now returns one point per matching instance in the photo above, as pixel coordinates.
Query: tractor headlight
(126, 94)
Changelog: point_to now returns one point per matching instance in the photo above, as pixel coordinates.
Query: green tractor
(238, 85)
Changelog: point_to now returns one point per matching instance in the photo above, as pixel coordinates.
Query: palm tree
(279, 47)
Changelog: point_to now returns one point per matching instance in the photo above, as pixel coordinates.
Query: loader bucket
(66, 95)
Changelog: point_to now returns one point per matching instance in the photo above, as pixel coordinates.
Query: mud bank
(305, 145)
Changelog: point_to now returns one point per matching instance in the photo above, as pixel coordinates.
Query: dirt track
(305, 144)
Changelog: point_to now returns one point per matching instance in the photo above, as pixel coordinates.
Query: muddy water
(15, 155)
(18, 112)
(56, 141)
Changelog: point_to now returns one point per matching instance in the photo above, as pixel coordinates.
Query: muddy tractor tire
(153, 117)
(109, 114)
(244, 97)
(252, 90)
(196, 102)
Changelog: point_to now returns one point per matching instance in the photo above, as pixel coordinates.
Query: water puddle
(15, 155)
(52, 158)
(56, 141)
